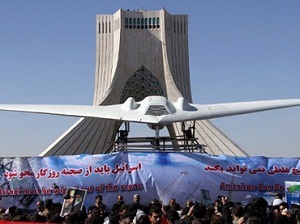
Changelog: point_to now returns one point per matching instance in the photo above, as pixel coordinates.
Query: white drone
(155, 110)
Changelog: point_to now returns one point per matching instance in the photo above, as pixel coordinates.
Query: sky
(238, 50)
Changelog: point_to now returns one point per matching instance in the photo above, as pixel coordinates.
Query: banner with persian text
(160, 175)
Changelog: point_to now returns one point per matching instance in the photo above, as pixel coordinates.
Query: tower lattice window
(140, 85)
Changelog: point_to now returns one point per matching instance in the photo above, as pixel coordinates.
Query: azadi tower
(138, 54)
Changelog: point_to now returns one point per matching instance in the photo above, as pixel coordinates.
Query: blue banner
(160, 175)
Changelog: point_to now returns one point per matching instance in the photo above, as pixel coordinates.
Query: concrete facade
(139, 53)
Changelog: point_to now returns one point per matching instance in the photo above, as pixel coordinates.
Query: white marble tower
(138, 54)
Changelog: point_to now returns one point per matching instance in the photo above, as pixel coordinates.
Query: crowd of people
(222, 211)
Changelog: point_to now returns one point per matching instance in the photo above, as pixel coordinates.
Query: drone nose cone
(158, 106)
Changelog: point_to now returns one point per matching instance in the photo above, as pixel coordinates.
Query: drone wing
(155, 110)
(210, 111)
(122, 112)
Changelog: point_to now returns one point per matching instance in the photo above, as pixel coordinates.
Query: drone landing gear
(182, 143)
(122, 138)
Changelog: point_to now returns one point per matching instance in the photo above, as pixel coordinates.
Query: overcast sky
(239, 51)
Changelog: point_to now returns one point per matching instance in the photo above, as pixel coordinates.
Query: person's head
(189, 203)
(2, 210)
(218, 205)
(120, 198)
(286, 212)
(237, 210)
(69, 196)
(279, 196)
(172, 201)
(123, 209)
(155, 215)
(136, 198)
(216, 219)
(40, 205)
(93, 211)
(199, 211)
(155, 203)
(283, 205)
(98, 198)
(125, 220)
(78, 198)
(172, 216)
(218, 202)
(143, 219)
